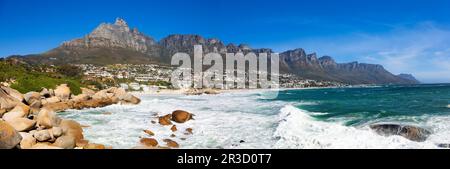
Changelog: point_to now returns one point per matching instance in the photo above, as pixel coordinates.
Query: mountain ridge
(118, 43)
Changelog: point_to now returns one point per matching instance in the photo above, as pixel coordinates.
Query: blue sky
(405, 36)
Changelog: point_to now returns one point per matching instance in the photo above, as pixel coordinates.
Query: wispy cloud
(422, 49)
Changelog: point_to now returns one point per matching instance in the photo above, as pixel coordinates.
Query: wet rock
(181, 116)
(149, 132)
(107, 113)
(62, 92)
(189, 131)
(170, 143)
(9, 137)
(150, 142)
(165, 120)
(443, 145)
(173, 128)
(242, 141)
(173, 135)
(410, 132)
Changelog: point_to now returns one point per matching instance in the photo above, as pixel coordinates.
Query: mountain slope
(117, 43)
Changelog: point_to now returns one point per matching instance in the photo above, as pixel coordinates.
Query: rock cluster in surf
(177, 116)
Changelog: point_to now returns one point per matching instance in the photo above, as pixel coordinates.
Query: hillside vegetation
(26, 78)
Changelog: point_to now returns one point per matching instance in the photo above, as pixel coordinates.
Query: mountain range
(118, 43)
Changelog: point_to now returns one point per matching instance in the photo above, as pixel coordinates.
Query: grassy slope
(30, 79)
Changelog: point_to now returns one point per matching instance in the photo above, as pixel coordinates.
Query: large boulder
(56, 131)
(47, 118)
(7, 102)
(22, 124)
(63, 92)
(9, 137)
(42, 135)
(150, 142)
(65, 142)
(171, 143)
(19, 111)
(46, 93)
(72, 128)
(410, 132)
(32, 97)
(101, 95)
(125, 97)
(181, 116)
(13, 93)
(58, 107)
(165, 120)
(27, 141)
(87, 91)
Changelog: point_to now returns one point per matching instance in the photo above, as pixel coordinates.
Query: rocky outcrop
(34, 116)
(410, 132)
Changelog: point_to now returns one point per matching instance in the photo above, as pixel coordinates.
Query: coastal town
(153, 77)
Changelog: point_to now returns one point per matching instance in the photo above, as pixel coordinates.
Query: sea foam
(297, 129)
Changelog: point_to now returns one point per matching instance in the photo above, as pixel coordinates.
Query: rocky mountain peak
(121, 22)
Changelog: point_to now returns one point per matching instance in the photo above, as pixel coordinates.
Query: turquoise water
(368, 104)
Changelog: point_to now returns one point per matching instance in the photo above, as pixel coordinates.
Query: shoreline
(183, 91)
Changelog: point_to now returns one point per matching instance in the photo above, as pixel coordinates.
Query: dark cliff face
(117, 43)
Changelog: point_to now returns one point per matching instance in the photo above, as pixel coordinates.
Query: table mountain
(118, 43)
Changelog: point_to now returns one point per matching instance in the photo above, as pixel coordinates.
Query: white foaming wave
(297, 129)
(221, 121)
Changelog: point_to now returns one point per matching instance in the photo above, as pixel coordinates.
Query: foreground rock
(30, 121)
(170, 143)
(9, 137)
(181, 116)
(63, 92)
(150, 142)
(410, 132)
(165, 120)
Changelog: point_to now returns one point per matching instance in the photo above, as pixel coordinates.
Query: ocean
(327, 118)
